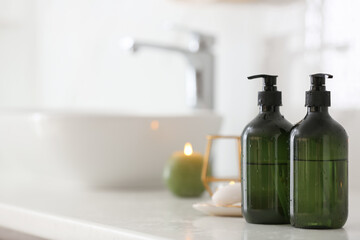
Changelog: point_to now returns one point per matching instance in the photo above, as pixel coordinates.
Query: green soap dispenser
(266, 160)
(319, 164)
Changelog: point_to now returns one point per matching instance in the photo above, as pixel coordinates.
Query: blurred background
(65, 55)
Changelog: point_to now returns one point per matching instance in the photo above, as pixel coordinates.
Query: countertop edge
(57, 227)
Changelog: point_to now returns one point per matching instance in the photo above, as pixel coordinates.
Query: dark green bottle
(266, 160)
(319, 164)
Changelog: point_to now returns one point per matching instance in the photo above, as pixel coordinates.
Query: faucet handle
(199, 40)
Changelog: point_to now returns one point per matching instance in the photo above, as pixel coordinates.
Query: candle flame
(188, 150)
(232, 182)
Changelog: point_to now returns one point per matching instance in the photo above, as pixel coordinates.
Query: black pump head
(318, 80)
(318, 96)
(269, 96)
(269, 81)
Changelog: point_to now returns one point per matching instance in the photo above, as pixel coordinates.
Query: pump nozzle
(270, 96)
(318, 96)
(269, 80)
(318, 79)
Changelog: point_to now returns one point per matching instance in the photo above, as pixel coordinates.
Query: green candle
(182, 173)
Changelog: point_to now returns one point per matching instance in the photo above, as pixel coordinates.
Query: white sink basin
(96, 150)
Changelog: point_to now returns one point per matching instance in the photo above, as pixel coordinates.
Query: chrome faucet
(200, 73)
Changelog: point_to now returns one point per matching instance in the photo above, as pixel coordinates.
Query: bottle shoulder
(264, 124)
(312, 126)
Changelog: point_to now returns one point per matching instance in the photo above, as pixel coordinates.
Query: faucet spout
(129, 44)
(200, 74)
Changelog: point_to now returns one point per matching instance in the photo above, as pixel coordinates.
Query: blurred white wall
(19, 85)
(65, 54)
(78, 64)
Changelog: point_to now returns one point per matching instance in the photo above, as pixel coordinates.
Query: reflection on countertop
(142, 214)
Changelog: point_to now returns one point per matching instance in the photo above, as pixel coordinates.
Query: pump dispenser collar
(269, 96)
(318, 96)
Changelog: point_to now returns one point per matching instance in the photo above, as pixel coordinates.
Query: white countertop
(75, 214)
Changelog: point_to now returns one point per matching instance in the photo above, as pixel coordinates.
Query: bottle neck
(269, 109)
(321, 109)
